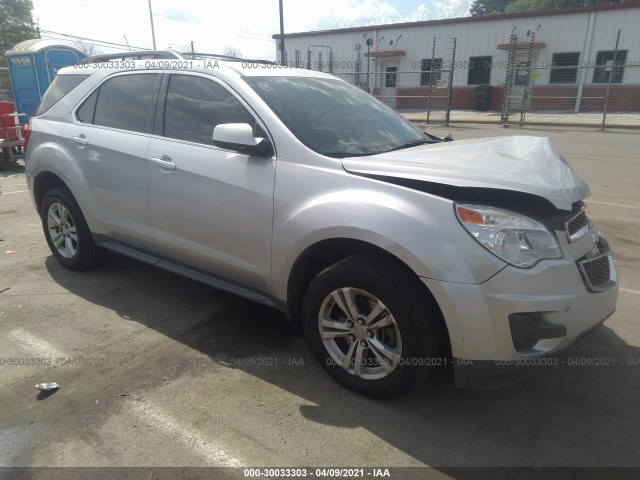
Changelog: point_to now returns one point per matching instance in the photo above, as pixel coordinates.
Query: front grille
(577, 226)
(596, 270)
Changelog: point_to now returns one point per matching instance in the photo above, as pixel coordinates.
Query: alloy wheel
(360, 333)
(62, 230)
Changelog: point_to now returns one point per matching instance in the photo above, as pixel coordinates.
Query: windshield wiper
(352, 154)
(413, 143)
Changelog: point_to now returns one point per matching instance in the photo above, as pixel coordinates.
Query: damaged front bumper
(516, 322)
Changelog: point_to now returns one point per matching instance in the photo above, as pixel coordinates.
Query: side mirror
(239, 137)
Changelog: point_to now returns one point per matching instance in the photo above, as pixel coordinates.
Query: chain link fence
(6, 92)
(524, 81)
(565, 89)
(601, 93)
(594, 104)
(422, 93)
(421, 97)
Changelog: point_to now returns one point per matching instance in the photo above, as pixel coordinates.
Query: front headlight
(516, 239)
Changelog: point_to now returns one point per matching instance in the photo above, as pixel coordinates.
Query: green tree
(16, 23)
(232, 52)
(87, 48)
(487, 7)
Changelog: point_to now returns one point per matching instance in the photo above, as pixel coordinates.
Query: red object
(522, 46)
(8, 122)
(386, 54)
(26, 133)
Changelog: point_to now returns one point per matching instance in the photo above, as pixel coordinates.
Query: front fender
(418, 228)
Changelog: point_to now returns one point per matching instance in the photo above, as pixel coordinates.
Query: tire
(67, 233)
(403, 324)
(3, 162)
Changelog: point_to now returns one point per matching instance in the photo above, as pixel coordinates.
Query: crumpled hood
(524, 164)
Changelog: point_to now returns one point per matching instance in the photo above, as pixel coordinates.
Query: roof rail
(227, 58)
(136, 55)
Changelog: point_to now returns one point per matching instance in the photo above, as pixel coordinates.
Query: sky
(214, 25)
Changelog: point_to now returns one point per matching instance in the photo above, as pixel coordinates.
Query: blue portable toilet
(32, 67)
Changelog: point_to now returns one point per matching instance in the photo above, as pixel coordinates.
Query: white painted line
(35, 345)
(612, 204)
(10, 193)
(156, 417)
(627, 290)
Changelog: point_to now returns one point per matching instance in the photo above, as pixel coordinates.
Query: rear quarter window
(60, 87)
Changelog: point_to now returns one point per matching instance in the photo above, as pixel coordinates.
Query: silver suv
(397, 250)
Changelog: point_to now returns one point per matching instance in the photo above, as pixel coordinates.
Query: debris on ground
(47, 386)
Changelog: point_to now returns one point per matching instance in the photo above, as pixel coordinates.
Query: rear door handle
(163, 162)
(80, 140)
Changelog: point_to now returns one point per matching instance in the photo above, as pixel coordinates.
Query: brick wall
(418, 97)
(496, 98)
(540, 102)
(623, 98)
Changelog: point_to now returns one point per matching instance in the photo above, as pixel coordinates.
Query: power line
(99, 43)
(104, 43)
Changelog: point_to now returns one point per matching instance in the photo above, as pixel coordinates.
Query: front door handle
(164, 162)
(81, 140)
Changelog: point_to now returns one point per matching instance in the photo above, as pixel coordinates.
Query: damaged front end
(526, 173)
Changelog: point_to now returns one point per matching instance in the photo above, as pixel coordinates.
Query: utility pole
(282, 56)
(153, 33)
(613, 69)
(193, 51)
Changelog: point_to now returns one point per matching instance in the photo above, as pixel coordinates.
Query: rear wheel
(67, 232)
(372, 326)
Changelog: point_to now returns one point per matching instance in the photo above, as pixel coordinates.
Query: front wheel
(372, 326)
(67, 232)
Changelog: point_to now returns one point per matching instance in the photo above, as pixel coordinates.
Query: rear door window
(60, 86)
(125, 102)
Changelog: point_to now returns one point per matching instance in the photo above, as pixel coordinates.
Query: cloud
(246, 25)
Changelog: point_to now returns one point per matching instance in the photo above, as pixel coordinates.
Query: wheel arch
(44, 182)
(325, 253)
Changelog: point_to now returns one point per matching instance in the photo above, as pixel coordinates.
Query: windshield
(335, 118)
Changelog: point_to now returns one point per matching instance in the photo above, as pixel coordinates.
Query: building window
(425, 71)
(391, 77)
(564, 67)
(479, 71)
(605, 66)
